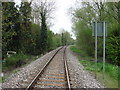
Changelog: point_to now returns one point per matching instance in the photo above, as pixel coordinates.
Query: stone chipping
(22, 78)
(79, 77)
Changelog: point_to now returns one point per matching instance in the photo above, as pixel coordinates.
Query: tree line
(26, 28)
(93, 11)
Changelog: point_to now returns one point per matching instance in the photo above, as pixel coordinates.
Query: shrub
(113, 46)
(15, 61)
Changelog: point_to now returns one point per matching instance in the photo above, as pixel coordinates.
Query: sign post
(103, 50)
(99, 29)
(95, 50)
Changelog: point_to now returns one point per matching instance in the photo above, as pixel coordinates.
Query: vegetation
(82, 21)
(93, 11)
(111, 71)
(26, 30)
(15, 61)
(66, 38)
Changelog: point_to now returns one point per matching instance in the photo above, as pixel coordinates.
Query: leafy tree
(66, 38)
(50, 40)
(94, 11)
(43, 38)
(25, 25)
(63, 41)
(34, 47)
(9, 27)
(44, 9)
(57, 40)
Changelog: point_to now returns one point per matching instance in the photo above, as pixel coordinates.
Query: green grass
(109, 81)
(75, 49)
(111, 71)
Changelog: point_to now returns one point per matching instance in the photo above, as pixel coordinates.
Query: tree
(44, 9)
(9, 30)
(50, 40)
(25, 26)
(57, 40)
(94, 11)
(66, 38)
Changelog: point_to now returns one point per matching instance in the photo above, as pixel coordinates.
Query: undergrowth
(111, 71)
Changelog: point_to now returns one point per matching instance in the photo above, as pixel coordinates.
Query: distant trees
(94, 11)
(66, 38)
(25, 28)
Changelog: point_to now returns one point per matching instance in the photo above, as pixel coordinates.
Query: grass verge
(111, 71)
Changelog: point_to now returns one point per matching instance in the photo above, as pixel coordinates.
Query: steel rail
(66, 69)
(38, 75)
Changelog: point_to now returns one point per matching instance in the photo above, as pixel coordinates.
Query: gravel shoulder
(79, 77)
(22, 78)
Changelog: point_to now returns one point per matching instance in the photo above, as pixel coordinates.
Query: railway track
(54, 74)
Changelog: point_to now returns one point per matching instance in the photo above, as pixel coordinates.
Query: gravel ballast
(22, 78)
(79, 78)
(54, 71)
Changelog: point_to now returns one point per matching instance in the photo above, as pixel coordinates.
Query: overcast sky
(62, 19)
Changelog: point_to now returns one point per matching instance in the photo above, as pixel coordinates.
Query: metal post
(103, 50)
(95, 50)
(1, 74)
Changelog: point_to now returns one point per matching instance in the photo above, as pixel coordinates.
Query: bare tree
(42, 7)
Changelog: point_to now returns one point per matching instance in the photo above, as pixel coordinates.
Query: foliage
(25, 26)
(50, 45)
(9, 29)
(44, 34)
(113, 47)
(90, 65)
(41, 13)
(16, 27)
(75, 49)
(21, 34)
(66, 38)
(93, 11)
(111, 71)
(15, 61)
(57, 40)
(34, 47)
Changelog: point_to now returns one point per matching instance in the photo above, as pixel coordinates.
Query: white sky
(61, 19)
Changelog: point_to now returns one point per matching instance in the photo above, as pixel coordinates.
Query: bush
(85, 41)
(113, 46)
(15, 61)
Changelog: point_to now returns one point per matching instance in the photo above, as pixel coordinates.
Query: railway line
(54, 74)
